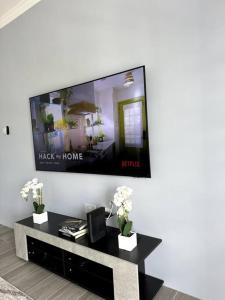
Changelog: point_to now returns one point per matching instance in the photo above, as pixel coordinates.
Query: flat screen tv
(97, 127)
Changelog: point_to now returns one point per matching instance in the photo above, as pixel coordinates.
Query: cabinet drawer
(72, 273)
(43, 258)
(37, 244)
(86, 265)
(72, 258)
(90, 281)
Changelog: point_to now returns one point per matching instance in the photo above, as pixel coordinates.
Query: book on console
(73, 225)
(73, 233)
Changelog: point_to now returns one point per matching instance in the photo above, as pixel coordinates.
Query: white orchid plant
(122, 200)
(35, 187)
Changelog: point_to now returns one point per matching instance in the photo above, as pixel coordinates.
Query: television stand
(101, 267)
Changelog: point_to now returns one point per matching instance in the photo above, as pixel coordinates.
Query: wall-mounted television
(97, 127)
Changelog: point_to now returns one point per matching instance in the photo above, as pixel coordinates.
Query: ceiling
(11, 9)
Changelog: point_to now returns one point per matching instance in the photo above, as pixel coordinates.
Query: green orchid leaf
(40, 208)
(121, 223)
(35, 205)
(127, 228)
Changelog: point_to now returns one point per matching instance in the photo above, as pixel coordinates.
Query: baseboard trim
(16, 11)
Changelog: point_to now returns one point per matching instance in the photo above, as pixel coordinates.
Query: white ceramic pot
(127, 243)
(40, 218)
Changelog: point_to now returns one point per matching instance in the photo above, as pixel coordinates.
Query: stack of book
(73, 228)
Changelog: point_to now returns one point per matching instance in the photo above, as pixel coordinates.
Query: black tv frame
(147, 170)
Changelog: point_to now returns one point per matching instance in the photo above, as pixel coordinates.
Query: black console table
(102, 267)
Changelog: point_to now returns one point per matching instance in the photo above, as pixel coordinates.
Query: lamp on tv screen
(97, 127)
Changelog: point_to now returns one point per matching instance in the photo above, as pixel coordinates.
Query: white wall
(181, 42)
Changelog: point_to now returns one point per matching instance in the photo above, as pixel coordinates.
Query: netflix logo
(130, 163)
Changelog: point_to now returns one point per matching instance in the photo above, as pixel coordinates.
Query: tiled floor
(41, 284)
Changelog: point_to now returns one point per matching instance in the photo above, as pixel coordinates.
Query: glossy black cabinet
(86, 273)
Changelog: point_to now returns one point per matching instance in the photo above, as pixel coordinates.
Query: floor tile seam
(17, 265)
(2, 253)
(6, 237)
(68, 283)
(174, 297)
(10, 247)
(29, 290)
(64, 284)
(22, 277)
(15, 276)
(5, 232)
(85, 292)
(8, 250)
(10, 243)
(37, 283)
(50, 296)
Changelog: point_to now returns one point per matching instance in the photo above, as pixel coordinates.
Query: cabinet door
(89, 266)
(41, 254)
(89, 281)
(51, 250)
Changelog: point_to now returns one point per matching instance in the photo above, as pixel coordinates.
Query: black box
(96, 224)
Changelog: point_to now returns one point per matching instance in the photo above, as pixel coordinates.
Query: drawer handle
(69, 258)
(70, 270)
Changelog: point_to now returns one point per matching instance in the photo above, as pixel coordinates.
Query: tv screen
(97, 127)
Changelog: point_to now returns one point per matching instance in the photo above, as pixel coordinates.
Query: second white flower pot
(127, 243)
(40, 218)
